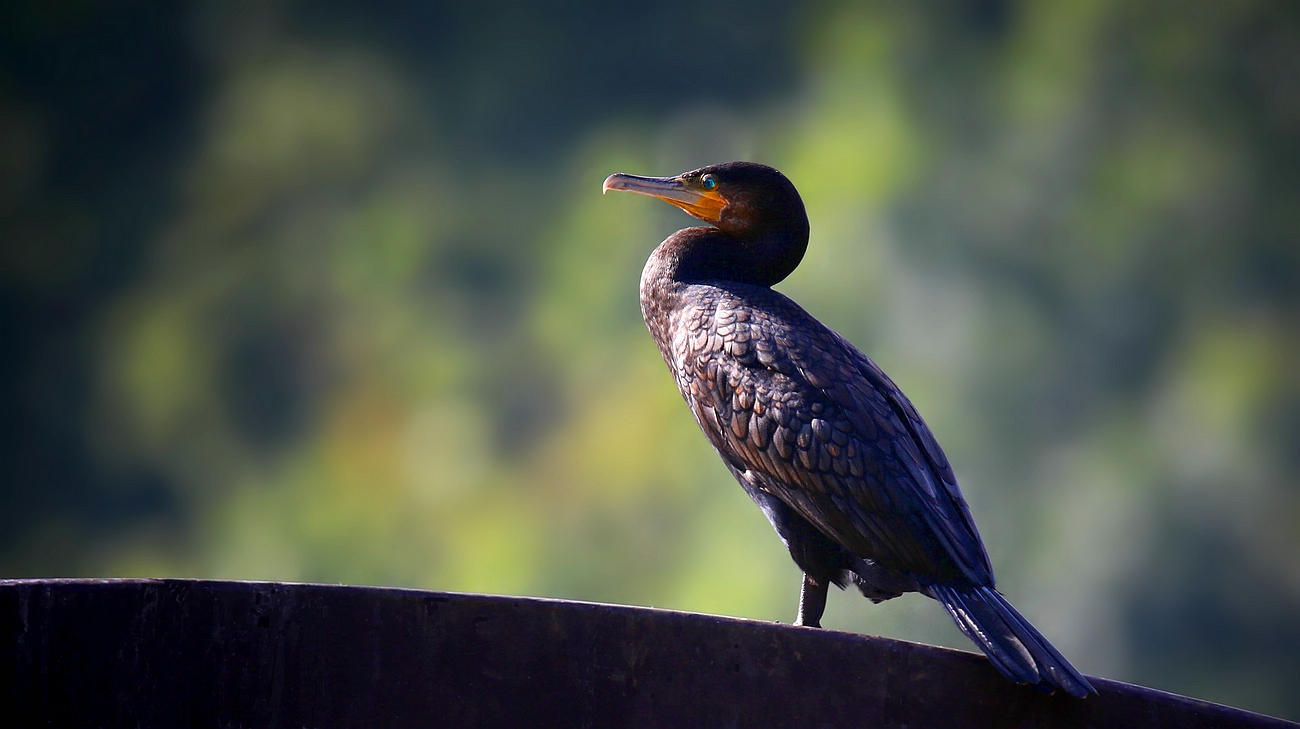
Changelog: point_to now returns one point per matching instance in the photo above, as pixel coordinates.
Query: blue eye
(708, 182)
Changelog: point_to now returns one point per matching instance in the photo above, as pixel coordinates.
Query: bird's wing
(819, 424)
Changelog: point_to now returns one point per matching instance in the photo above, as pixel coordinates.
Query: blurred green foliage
(337, 299)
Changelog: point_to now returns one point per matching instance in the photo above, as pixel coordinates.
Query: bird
(823, 441)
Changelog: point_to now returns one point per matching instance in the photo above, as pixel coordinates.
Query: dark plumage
(818, 436)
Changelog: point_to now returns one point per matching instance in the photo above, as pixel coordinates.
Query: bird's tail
(1016, 649)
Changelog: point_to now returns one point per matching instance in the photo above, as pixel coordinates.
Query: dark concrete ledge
(181, 653)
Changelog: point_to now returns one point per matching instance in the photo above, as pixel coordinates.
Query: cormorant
(819, 437)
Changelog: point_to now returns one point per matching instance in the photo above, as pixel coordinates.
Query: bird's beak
(706, 205)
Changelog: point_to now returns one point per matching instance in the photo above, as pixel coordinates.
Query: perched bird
(818, 436)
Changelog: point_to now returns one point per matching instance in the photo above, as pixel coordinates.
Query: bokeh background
(327, 291)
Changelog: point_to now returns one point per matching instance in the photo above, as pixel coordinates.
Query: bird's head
(743, 199)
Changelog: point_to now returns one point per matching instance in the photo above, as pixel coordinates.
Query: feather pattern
(822, 428)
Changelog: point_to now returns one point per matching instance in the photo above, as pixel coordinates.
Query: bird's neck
(696, 255)
(709, 254)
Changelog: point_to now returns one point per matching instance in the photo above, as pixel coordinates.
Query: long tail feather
(1014, 647)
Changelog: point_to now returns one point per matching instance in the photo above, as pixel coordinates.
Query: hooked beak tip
(613, 182)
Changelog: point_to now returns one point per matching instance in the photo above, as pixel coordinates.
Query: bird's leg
(812, 602)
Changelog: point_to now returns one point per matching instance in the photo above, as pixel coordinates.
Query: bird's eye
(708, 182)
